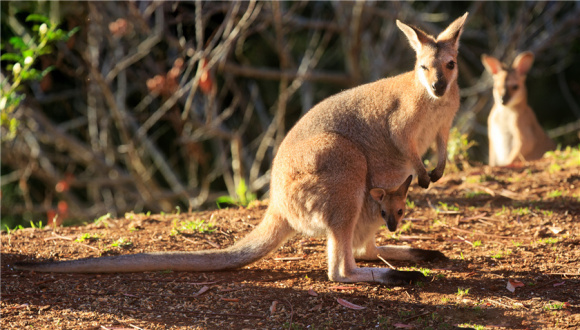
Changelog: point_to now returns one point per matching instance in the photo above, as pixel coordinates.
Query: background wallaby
(513, 130)
(327, 166)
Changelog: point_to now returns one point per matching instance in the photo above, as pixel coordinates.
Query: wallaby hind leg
(342, 266)
(370, 251)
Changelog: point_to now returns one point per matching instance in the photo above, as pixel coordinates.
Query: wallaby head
(436, 66)
(509, 84)
(392, 203)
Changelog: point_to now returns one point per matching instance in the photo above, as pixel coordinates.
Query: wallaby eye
(383, 213)
(515, 88)
(450, 65)
(400, 212)
(424, 68)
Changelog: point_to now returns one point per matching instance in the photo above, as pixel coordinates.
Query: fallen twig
(56, 236)
(464, 240)
(488, 235)
(475, 217)
(206, 314)
(388, 264)
(291, 312)
(416, 316)
(289, 258)
(411, 237)
(215, 245)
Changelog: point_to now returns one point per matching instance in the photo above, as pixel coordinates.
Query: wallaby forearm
(418, 166)
(442, 138)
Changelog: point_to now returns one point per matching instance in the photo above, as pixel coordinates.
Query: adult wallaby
(327, 168)
(513, 130)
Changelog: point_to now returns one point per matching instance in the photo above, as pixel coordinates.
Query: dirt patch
(495, 225)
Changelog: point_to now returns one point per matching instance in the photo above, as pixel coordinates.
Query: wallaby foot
(410, 254)
(435, 175)
(398, 277)
(385, 276)
(402, 253)
(427, 255)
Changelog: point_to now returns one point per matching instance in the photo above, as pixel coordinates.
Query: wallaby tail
(272, 232)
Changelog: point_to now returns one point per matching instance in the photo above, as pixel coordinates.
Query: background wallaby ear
(416, 37)
(491, 64)
(453, 31)
(523, 62)
(405, 186)
(378, 194)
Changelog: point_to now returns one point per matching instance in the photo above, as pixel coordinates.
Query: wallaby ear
(378, 194)
(523, 62)
(452, 33)
(402, 191)
(416, 37)
(491, 64)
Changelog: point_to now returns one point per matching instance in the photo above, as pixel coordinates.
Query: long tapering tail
(272, 232)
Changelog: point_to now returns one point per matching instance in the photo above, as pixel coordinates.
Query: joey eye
(515, 88)
(383, 213)
(424, 68)
(400, 212)
(450, 65)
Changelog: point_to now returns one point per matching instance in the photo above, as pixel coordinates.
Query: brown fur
(513, 129)
(341, 172)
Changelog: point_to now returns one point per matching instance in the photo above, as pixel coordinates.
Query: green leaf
(31, 74)
(38, 18)
(15, 101)
(11, 57)
(14, 123)
(72, 32)
(47, 70)
(27, 53)
(241, 190)
(18, 43)
(56, 35)
(225, 200)
(44, 50)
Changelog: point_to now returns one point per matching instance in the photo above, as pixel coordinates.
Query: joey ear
(405, 186)
(416, 37)
(523, 62)
(378, 194)
(452, 33)
(491, 64)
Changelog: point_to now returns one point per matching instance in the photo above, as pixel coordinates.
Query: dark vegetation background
(155, 106)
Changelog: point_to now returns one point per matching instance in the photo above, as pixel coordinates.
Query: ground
(515, 224)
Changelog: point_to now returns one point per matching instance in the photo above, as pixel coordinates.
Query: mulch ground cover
(511, 235)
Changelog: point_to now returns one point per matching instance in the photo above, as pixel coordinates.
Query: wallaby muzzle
(439, 87)
(505, 98)
(391, 223)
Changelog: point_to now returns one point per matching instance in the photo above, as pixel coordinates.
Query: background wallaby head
(392, 203)
(509, 84)
(436, 66)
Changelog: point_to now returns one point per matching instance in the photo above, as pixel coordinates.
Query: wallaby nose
(439, 87)
(391, 223)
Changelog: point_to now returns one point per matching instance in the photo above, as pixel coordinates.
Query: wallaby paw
(435, 176)
(424, 181)
(427, 255)
(398, 277)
